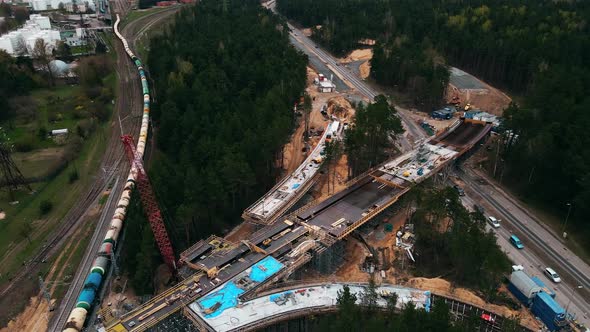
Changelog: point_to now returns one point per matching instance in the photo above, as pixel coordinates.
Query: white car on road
(493, 222)
(551, 274)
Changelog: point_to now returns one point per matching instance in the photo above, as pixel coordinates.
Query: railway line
(127, 109)
(317, 228)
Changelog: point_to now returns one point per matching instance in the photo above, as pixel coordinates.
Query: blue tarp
(427, 302)
(264, 269)
(227, 296)
(274, 297)
(296, 185)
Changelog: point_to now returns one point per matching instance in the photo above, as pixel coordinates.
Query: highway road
(542, 248)
(414, 132)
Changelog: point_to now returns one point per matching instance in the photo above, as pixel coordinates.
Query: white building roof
(327, 84)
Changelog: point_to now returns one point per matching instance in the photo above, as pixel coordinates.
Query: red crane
(150, 204)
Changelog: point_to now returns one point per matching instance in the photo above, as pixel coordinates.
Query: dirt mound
(358, 55)
(340, 107)
(365, 69)
(444, 288)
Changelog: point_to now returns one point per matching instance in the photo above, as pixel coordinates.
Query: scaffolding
(328, 259)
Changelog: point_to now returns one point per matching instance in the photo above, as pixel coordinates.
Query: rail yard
(231, 286)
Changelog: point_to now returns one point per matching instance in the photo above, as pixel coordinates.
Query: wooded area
(369, 141)
(18, 78)
(535, 48)
(453, 242)
(226, 80)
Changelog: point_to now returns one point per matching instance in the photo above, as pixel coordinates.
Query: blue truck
(544, 287)
(549, 311)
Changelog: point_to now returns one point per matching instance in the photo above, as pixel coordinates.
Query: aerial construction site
(220, 275)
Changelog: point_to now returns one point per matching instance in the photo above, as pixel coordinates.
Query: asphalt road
(541, 247)
(414, 133)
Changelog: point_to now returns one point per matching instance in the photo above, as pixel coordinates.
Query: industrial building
(324, 84)
(41, 5)
(37, 27)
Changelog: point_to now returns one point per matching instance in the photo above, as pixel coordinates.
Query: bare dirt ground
(365, 55)
(293, 154)
(36, 315)
(116, 299)
(444, 288)
(34, 318)
(358, 55)
(240, 232)
(351, 271)
(492, 101)
(365, 69)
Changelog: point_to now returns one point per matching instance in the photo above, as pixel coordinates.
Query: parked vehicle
(516, 242)
(493, 222)
(552, 275)
(517, 268)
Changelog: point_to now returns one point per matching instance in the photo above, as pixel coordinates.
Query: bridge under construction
(219, 275)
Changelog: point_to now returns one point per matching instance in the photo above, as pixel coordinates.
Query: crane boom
(150, 204)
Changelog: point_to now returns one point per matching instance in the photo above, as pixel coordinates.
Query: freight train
(101, 263)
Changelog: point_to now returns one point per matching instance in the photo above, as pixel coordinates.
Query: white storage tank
(524, 284)
(76, 320)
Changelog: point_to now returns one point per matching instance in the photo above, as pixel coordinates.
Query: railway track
(112, 165)
(128, 115)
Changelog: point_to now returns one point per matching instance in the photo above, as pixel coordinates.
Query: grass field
(15, 247)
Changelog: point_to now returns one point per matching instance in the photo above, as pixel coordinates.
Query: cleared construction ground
(216, 268)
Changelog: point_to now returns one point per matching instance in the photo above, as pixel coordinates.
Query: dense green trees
(548, 156)
(414, 69)
(444, 230)
(369, 140)
(141, 254)
(17, 78)
(226, 80)
(505, 42)
(535, 48)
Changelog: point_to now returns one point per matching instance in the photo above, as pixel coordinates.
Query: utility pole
(569, 209)
(531, 174)
(496, 159)
(502, 171)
